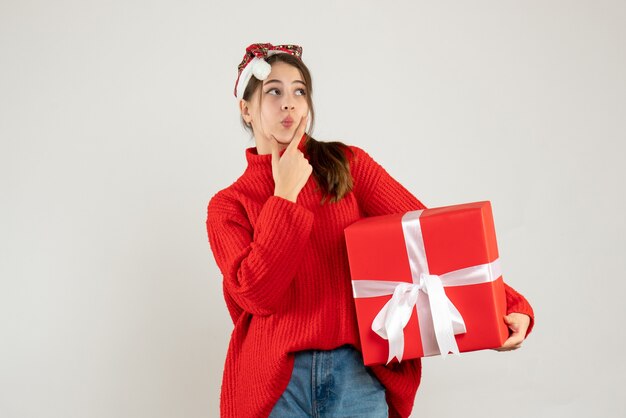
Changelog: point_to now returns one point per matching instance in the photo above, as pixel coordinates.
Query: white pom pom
(261, 69)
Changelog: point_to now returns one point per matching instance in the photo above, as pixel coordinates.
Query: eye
(271, 91)
(301, 92)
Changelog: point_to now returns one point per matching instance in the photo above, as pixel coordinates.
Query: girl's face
(283, 104)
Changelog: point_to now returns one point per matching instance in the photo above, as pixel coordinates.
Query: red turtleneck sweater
(286, 280)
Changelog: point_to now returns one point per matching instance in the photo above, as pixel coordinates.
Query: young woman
(277, 236)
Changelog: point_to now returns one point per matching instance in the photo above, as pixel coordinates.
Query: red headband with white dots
(254, 63)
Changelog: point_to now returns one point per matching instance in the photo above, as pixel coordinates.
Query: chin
(282, 140)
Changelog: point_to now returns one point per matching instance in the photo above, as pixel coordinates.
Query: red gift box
(427, 281)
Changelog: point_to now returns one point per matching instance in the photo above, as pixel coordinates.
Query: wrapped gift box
(393, 261)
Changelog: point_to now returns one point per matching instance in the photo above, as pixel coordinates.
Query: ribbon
(438, 318)
(253, 62)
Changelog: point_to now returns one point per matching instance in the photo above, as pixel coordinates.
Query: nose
(287, 103)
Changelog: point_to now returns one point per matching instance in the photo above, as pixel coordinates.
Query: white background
(118, 123)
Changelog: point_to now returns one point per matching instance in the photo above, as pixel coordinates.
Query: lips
(287, 122)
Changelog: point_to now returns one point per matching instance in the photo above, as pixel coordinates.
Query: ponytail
(331, 168)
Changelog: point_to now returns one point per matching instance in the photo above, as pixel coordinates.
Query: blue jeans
(331, 384)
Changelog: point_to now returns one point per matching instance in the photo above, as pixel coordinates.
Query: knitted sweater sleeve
(517, 303)
(378, 193)
(257, 264)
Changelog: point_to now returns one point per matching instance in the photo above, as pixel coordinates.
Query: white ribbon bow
(439, 319)
(393, 317)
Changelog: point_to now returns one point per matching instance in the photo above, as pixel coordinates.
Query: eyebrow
(278, 81)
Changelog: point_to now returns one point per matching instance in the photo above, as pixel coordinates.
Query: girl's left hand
(518, 323)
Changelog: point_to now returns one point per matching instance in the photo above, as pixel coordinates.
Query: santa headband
(254, 63)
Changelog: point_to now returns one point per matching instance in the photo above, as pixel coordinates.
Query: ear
(245, 111)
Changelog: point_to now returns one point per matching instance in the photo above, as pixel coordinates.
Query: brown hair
(331, 169)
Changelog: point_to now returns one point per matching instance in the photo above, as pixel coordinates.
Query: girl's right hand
(291, 170)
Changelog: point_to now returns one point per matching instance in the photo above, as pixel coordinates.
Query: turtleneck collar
(256, 161)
